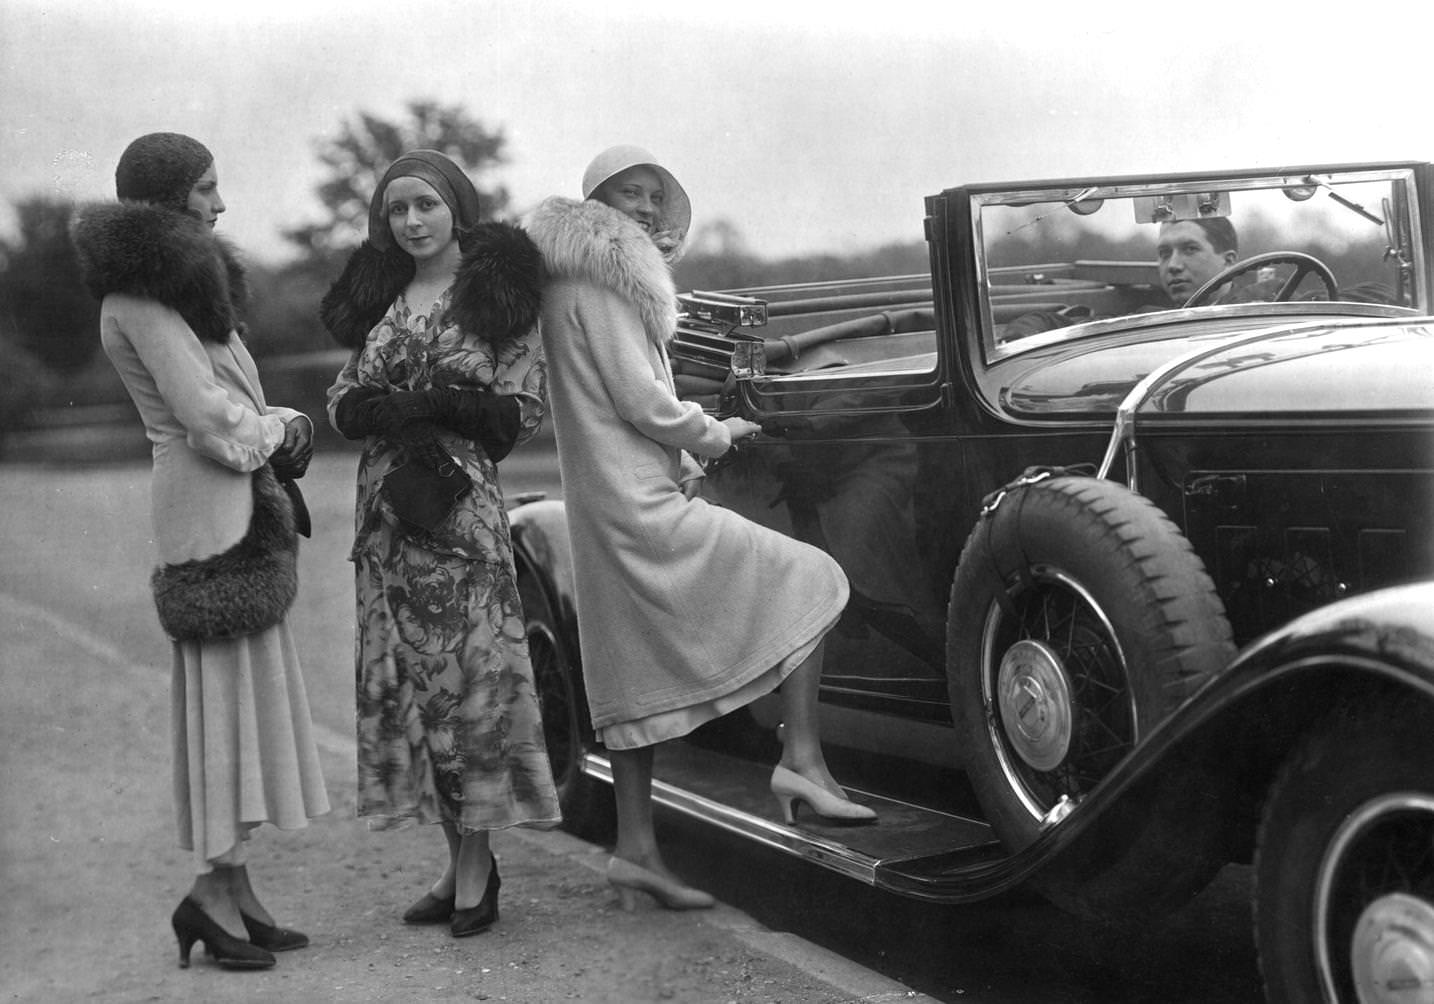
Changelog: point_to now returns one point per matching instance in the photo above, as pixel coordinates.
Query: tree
(357, 157)
(43, 303)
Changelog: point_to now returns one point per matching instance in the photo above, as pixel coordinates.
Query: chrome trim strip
(1123, 433)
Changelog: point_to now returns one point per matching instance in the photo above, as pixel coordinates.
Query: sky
(811, 127)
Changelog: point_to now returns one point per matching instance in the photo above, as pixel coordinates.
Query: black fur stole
(496, 293)
(161, 254)
(239, 591)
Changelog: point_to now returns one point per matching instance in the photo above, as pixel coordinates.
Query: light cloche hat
(677, 211)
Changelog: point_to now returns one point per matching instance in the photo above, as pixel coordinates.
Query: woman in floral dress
(446, 377)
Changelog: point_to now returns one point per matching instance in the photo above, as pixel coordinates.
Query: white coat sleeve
(617, 342)
(215, 425)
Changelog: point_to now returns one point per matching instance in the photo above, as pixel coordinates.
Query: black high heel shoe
(430, 909)
(192, 924)
(272, 938)
(477, 919)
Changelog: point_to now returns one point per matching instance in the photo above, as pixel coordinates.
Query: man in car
(1188, 253)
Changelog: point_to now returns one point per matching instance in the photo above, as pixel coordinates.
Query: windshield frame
(1403, 204)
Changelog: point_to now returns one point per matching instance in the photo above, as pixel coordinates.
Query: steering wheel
(1304, 264)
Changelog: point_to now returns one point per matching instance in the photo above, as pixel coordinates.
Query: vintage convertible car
(1065, 501)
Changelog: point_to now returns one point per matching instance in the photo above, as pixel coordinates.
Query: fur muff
(593, 242)
(239, 591)
(496, 291)
(161, 254)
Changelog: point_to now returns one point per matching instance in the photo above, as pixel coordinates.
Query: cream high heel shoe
(630, 879)
(791, 788)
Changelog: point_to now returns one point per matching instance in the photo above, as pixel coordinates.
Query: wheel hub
(1034, 698)
(1392, 951)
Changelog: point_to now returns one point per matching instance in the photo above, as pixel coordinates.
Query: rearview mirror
(1187, 206)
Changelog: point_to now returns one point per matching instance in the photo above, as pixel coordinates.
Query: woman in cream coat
(686, 611)
(225, 531)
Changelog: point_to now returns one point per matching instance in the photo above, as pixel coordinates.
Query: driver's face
(1186, 259)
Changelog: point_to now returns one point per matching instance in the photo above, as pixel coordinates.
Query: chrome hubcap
(1034, 698)
(1377, 862)
(1392, 951)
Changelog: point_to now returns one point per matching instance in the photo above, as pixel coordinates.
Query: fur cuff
(240, 591)
(165, 255)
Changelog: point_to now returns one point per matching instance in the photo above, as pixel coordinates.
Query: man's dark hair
(1221, 233)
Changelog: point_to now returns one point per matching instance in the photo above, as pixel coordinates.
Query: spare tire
(1079, 618)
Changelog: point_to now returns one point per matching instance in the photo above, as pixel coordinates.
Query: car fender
(542, 549)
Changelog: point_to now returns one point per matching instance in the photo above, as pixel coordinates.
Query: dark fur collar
(496, 292)
(161, 254)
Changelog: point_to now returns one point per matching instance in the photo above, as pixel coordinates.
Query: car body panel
(1295, 372)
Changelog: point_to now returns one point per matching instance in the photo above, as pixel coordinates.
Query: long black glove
(354, 415)
(491, 420)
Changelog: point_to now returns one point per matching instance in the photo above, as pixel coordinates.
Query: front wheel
(1079, 618)
(1344, 870)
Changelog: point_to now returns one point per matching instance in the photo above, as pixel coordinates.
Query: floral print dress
(448, 720)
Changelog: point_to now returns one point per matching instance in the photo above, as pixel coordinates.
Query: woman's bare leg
(637, 863)
(470, 867)
(801, 734)
(214, 892)
(443, 888)
(632, 790)
(245, 896)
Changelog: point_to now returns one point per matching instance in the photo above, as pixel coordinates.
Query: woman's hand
(740, 428)
(291, 459)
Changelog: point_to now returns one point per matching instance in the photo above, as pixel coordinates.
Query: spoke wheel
(1056, 677)
(1344, 904)
(1079, 618)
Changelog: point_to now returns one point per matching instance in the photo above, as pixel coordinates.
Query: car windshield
(1058, 262)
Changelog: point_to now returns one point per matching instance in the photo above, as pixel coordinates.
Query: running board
(915, 851)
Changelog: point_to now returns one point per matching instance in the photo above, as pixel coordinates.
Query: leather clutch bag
(423, 497)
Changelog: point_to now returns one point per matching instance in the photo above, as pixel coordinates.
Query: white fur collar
(595, 243)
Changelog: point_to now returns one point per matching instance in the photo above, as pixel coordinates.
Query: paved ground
(89, 872)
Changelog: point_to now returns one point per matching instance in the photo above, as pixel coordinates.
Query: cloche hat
(677, 210)
(161, 167)
(453, 186)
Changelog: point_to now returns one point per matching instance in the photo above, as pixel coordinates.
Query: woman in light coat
(686, 611)
(224, 527)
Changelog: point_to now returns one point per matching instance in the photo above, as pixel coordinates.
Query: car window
(1062, 264)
